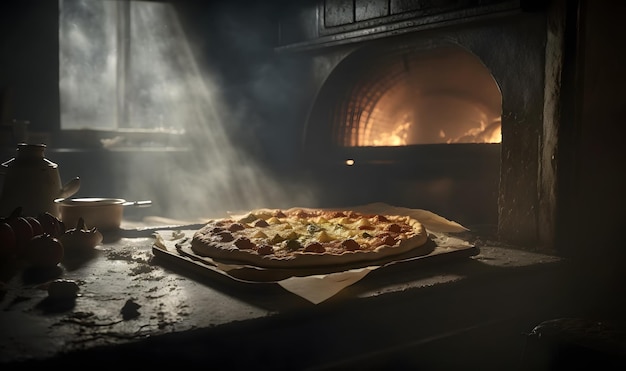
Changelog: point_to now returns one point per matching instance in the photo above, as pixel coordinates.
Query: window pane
(124, 65)
(87, 46)
(157, 89)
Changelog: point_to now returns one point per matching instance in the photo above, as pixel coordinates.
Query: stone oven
(456, 106)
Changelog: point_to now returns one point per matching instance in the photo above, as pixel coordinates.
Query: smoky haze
(219, 89)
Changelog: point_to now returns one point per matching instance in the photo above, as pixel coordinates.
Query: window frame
(134, 137)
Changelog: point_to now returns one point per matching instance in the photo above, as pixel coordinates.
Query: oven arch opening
(432, 107)
(440, 95)
(354, 130)
(404, 96)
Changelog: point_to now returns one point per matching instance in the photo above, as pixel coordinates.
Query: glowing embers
(434, 119)
(393, 133)
(485, 133)
(418, 118)
(439, 96)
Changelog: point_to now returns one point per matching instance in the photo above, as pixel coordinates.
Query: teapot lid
(28, 147)
(31, 152)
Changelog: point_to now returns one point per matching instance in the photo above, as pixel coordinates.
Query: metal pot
(103, 213)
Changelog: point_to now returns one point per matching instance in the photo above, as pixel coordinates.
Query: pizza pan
(188, 260)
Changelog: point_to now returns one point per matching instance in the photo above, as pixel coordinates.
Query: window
(123, 67)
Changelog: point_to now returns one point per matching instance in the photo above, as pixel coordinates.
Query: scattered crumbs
(153, 297)
(120, 255)
(142, 268)
(149, 278)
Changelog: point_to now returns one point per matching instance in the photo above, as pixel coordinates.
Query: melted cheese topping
(282, 231)
(307, 237)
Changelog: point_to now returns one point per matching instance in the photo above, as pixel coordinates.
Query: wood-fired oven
(453, 106)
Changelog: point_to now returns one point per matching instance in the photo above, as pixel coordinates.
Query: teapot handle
(70, 188)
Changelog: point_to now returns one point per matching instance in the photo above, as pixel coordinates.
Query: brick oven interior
(295, 78)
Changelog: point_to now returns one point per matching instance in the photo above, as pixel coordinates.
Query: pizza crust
(203, 244)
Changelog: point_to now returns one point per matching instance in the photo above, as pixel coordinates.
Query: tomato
(44, 250)
(51, 224)
(35, 224)
(8, 243)
(22, 229)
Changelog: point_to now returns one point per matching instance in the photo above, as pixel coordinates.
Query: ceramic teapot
(33, 182)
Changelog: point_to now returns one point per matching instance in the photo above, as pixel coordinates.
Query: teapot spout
(70, 188)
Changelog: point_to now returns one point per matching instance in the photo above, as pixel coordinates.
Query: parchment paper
(317, 288)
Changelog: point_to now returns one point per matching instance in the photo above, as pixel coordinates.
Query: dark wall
(29, 62)
(594, 221)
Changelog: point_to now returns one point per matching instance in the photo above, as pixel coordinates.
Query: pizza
(306, 237)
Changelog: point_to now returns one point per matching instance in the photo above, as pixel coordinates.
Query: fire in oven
(420, 95)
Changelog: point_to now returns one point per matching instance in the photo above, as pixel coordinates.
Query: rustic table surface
(131, 302)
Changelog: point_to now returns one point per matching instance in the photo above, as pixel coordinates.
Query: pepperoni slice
(236, 227)
(315, 247)
(337, 214)
(217, 230)
(225, 236)
(394, 228)
(388, 240)
(380, 219)
(261, 223)
(265, 250)
(302, 214)
(244, 243)
(351, 245)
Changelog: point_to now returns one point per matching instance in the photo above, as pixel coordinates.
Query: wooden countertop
(172, 304)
